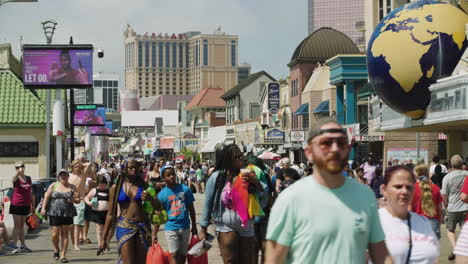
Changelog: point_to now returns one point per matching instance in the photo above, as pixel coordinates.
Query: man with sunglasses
(327, 217)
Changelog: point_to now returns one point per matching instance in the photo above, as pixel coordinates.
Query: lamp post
(49, 29)
(16, 1)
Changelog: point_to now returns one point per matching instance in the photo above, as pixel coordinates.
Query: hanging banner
(273, 98)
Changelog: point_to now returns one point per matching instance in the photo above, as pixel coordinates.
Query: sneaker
(24, 248)
(451, 256)
(16, 250)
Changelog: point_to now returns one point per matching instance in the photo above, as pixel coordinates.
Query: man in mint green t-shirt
(326, 218)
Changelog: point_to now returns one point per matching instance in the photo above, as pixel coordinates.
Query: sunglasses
(326, 143)
(20, 167)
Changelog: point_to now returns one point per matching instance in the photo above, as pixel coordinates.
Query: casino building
(179, 64)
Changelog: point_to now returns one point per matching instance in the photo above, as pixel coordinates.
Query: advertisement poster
(273, 98)
(102, 130)
(90, 117)
(404, 155)
(57, 67)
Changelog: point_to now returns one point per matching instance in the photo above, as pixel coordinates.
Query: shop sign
(403, 155)
(273, 97)
(293, 145)
(275, 133)
(369, 138)
(297, 136)
(287, 136)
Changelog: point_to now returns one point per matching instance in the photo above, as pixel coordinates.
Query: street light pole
(17, 1)
(49, 29)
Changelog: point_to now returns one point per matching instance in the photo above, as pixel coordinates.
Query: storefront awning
(302, 110)
(323, 107)
(133, 142)
(210, 146)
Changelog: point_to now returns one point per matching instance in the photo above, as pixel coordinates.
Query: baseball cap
(165, 167)
(179, 160)
(315, 130)
(63, 171)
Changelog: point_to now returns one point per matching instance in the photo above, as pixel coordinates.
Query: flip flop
(64, 260)
(88, 241)
(56, 256)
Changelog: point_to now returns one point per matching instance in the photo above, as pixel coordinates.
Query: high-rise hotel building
(163, 64)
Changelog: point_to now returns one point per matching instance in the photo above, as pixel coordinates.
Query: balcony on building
(447, 110)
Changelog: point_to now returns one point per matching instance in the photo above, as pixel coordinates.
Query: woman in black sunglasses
(21, 206)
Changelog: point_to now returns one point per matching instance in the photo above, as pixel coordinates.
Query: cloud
(269, 31)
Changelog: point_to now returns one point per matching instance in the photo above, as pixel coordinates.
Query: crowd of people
(283, 212)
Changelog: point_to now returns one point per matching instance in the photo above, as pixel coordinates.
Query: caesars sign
(58, 66)
(273, 98)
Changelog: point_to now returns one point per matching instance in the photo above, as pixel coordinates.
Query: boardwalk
(39, 241)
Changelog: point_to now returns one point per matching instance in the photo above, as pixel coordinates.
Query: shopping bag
(201, 259)
(32, 221)
(156, 255)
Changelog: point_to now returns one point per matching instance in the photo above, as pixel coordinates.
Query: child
(290, 176)
(99, 208)
(177, 200)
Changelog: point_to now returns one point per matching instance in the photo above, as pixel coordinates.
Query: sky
(268, 30)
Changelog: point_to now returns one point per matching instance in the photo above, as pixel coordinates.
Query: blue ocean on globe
(413, 47)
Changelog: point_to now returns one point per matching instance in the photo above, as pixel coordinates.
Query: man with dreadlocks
(133, 227)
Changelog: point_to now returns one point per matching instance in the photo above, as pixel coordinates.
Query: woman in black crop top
(133, 228)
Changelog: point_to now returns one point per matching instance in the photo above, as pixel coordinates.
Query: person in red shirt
(461, 248)
(21, 205)
(427, 200)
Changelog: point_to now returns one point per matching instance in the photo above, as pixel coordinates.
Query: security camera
(100, 53)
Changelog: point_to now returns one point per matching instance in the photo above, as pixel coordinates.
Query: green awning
(323, 107)
(302, 110)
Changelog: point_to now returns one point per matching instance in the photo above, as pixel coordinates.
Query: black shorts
(60, 221)
(20, 210)
(98, 217)
(87, 212)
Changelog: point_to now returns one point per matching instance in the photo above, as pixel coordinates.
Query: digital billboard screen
(59, 66)
(90, 117)
(102, 130)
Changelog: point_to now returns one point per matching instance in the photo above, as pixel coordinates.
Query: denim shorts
(231, 222)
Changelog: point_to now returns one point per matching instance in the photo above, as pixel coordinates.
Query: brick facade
(408, 140)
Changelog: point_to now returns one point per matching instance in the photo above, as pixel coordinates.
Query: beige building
(177, 64)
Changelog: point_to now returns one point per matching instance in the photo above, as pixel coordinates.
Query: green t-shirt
(199, 174)
(322, 225)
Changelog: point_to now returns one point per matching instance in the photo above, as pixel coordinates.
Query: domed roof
(321, 45)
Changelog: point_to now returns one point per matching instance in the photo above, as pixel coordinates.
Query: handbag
(156, 255)
(197, 251)
(32, 221)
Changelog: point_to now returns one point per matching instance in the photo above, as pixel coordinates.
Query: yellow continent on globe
(426, 23)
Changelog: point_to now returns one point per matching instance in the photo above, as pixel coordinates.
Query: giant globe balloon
(410, 49)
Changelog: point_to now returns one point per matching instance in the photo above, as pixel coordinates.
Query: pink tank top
(22, 194)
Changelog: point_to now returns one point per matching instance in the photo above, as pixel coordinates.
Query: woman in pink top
(21, 205)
